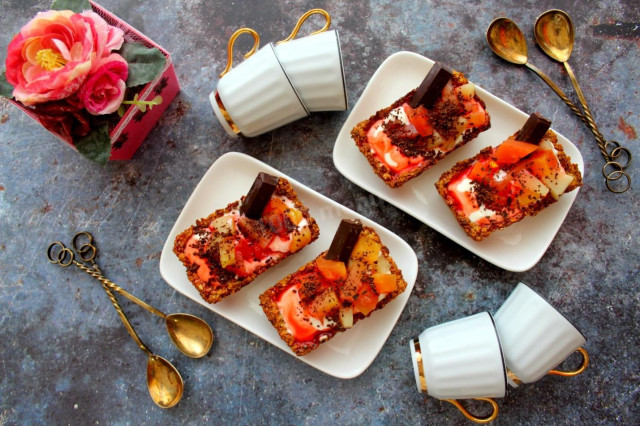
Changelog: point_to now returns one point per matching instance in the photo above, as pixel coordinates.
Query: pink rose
(53, 54)
(106, 38)
(103, 91)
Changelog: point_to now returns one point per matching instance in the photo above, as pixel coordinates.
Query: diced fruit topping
(385, 283)
(248, 251)
(383, 266)
(419, 117)
(275, 204)
(332, 270)
(467, 90)
(545, 166)
(355, 274)
(366, 300)
(511, 151)
(294, 215)
(476, 115)
(366, 249)
(532, 190)
(323, 304)
(346, 317)
(224, 224)
(255, 230)
(227, 251)
(300, 239)
(483, 170)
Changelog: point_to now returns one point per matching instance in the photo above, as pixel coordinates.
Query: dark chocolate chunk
(534, 129)
(431, 87)
(345, 240)
(259, 195)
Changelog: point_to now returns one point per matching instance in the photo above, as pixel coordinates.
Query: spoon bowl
(191, 335)
(507, 41)
(554, 34)
(164, 382)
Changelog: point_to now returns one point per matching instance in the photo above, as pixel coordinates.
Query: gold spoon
(191, 335)
(163, 380)
(555, 35)
(507, 41)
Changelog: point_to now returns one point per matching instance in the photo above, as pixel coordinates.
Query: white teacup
(256, 96)
(535, 337)
(461, 359)
(314, 65)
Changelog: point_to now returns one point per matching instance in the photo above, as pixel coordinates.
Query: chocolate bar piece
(431, 87)
(345, 240)
(534, 129)
(259, 195)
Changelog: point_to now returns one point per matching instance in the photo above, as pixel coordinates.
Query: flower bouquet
(89, 78)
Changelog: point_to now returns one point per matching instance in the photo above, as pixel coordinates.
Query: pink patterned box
(135, 125)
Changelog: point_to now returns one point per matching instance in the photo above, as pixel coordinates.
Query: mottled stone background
(64, 355)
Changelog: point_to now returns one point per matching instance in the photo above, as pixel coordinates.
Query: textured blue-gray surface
(64, 355)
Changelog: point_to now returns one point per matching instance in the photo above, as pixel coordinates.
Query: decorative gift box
(145, 103)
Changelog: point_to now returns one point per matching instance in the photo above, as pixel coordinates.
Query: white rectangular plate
(348, 354)
(517, 248)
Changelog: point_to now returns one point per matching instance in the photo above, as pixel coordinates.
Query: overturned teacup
(535, 337)
(461, 359)
(314, 65)
(256, 96)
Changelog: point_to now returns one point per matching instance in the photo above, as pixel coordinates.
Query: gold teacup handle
(580, 369)
(303, 18)
(232, 40)
(481, 420)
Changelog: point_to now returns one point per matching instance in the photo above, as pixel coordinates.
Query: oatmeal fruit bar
(228, 249)
(421, 128)
(504, 184)
(343, 285)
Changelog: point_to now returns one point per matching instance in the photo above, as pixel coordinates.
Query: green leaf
(6, 89)
(73, 5)
(96, 146)
(145, 63)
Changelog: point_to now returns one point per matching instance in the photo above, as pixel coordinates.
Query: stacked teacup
(281, 82)
(475, 357)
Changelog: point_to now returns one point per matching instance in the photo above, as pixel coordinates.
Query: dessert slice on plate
(504, 184)
(421, 128)
(228, 249)
(343, 285)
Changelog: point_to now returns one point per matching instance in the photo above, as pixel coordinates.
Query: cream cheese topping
(398, 114)
(389, 160)
(465, 185)
(482, 212)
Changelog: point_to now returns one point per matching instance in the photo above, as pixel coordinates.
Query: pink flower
(106, 38)
(53, 54)
(103, 91)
